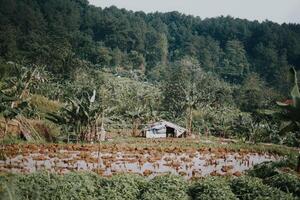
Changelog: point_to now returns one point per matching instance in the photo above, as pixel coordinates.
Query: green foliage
(166, 187)
(44, 105)
(61, 35)
(291, 113)
(286, 182)
(129, 99)
(7, 111)
(188, 88)
(11, 139)
(14, 94)
(79, 115)
(278, 175)
(292, 139)
(293, 109)
(45, 185)
(74, 43)
(234, 65)
(211, 189)
(222, 120)
(254, 94)
(47, 130)
(51, 186)
(122, 187)
(248, 188)
(264, 170)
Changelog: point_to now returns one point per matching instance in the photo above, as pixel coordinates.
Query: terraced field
(190, 159)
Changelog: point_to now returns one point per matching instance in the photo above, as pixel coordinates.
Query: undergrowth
(78, 186)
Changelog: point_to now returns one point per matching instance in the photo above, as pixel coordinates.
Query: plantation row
(265, 181)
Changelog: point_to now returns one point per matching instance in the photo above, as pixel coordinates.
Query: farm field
(107, 102)
(112, 159)
(189, 158)
(133, 168)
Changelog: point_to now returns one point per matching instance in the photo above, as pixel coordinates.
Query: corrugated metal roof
(159, 125)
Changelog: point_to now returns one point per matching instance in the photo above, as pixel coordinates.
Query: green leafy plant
(78, 116)
(286, 182)
(45, 185)
(249, 188)
(15, 93)
(120, 187)
(291, 107)
(211, 189)
(264, 170)
(165, 188)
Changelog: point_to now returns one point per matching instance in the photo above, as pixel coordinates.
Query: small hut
(163, 129)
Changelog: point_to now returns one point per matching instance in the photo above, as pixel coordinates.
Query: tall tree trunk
(189, 120)
(102, 131)
(98, 156)
(134, 127)
(206, 131)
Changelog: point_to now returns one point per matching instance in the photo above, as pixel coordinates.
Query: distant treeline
(63, 35)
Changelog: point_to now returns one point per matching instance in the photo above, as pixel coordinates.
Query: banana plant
(21, 81)
(15, 91)
(5, 109)
(291, 113)
(78, 116)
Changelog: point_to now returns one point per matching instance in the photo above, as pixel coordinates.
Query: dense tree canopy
(210, 75)
(59, 34)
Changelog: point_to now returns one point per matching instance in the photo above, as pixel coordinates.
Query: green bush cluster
(90, 186)
(166, 187)
(263, 170)
(286, 182)
(122, 187)
(51, 186)
(251, 188)
(212, 189)
(278, 175)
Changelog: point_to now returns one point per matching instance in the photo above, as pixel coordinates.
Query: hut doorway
(170, 132)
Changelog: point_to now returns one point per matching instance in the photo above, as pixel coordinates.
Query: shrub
(11, 139)
(120, 187)
(211, 189)
(166, 188)
(268, 169)
(46, 129)
(73, 186)
(81, 186)
(225, 119)
(250, 188)
(44, 105)
(263, 170)
(76, 186)
(286, 182)
(6, 189)
(52, 186)
(291, 139)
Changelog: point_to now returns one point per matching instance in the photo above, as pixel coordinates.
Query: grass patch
(44, 105)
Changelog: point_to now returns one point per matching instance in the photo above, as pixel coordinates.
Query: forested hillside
(210, 75)
(63, 35)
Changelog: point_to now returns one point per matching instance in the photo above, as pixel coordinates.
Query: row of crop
(91, 186)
